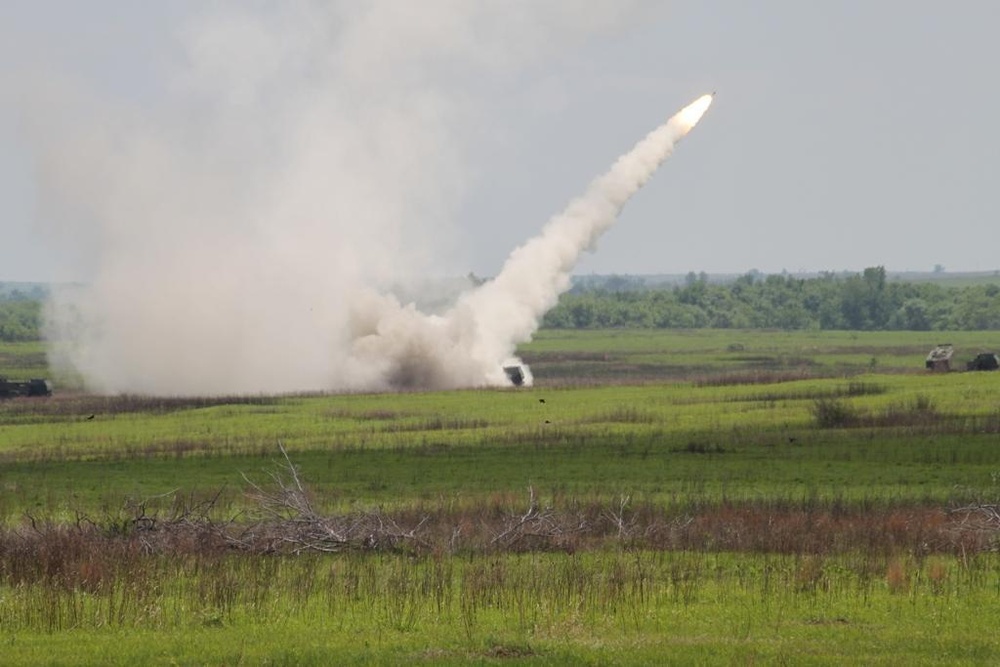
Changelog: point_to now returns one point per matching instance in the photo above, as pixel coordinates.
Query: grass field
(681, 498)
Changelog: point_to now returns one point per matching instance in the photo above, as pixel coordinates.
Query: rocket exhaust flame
(692, 113)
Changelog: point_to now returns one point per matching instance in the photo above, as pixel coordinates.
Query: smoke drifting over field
(245, 236)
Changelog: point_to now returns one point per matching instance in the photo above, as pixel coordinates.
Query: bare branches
(287, 499)
(979, 521)
(283, 516)
(619, 517)
(291, 524)
(538, 526)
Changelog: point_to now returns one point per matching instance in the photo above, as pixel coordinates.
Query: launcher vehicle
(32, 387)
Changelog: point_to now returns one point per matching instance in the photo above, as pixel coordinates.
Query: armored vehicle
(32, 387)
(987, 361)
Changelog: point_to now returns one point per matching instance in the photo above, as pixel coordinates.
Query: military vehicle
(32, 387)
(515, 374)
(987, 361)
(939, 359)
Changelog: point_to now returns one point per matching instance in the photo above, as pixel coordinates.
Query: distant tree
(977, 308)
(913, 315)
(20, 321)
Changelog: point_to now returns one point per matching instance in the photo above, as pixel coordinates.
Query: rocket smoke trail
(250, 223)
(469, 345)
(243, 230)
(191, 300)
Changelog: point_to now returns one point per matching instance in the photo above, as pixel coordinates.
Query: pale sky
(844, 134)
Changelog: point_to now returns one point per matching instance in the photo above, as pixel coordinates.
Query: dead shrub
(897, 576)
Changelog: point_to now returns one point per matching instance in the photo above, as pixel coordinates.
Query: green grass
(22, 361)
(742, 497)
(631, 355)
(922, 436)
(601, 608)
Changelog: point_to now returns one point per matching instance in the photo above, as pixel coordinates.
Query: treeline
(20, 319)
(860, 302)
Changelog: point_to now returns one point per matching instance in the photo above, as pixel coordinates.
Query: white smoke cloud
(244, 231)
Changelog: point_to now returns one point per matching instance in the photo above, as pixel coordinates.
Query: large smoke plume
(245, 231)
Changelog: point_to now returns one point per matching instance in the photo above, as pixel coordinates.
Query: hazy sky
(845, 134)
